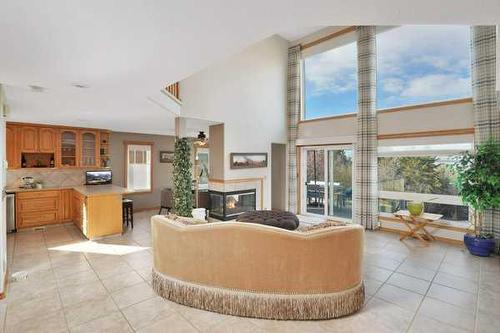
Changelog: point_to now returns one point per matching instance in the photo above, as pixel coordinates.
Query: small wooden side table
(416, 224)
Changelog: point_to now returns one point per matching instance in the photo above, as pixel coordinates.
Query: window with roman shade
(139, 167)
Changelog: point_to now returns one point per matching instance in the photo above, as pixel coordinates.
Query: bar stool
(128, 211)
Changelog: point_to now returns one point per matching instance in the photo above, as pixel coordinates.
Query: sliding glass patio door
(327, 182)
(340, 183)
(314, 188)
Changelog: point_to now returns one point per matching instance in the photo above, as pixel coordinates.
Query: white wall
(247, 92)
(3, 226)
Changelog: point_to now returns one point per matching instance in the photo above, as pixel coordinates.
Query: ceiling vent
(38, 89)
(80, 85)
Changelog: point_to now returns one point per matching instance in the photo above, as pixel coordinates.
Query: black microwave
(100, 177)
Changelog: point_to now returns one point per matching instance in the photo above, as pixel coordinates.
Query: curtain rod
(327, 37)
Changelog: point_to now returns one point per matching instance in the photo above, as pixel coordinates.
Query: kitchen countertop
(45, 188)
(87, 190)
(97, 190)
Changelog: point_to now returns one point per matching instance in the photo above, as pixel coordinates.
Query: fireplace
(228, 205)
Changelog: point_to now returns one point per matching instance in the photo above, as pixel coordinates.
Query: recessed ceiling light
(80, 85)
(36, 88)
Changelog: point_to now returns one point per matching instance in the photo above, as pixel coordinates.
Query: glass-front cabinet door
(89, 149)
(68, 148)
(327, 181)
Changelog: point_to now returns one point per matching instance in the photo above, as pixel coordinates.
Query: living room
(352, 139)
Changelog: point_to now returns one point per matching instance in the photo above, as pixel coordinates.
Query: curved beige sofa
(259, 271)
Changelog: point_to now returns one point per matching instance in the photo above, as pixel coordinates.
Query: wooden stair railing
(173, 89)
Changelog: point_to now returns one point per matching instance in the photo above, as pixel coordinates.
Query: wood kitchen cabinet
(56, 146)
(68, 148)
(36, 208)
(47, 140)
(65, 206)
(29, 139)
(95, 210)
(12, 154)
(98, 210)
(89, 149)
(78, 207)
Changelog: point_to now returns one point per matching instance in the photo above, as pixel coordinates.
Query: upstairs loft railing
(173, 89)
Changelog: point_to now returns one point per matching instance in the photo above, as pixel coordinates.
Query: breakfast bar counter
(99, 190)
(98, 210)
(95, 209)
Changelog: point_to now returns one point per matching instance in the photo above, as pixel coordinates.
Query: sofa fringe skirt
(260, 305)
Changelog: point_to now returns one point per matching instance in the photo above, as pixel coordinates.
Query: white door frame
(303, 179)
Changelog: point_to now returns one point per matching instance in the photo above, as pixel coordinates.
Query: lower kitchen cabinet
(65, 205)
(78, 207)
(36, 208)
(95, 210)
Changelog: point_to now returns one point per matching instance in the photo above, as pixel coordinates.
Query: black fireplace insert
(228, 205)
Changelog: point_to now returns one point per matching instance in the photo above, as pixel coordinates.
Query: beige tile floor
(80, 286)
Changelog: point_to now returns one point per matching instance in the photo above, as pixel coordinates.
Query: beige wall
(216, 135)
(278, 176)
(162, 172)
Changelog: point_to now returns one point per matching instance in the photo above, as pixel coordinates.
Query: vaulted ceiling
(99, 61)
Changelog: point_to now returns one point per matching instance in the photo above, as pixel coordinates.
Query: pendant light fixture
(201, 140)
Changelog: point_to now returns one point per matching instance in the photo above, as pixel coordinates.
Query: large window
(426, 178)
(139, 168)
(421, 64)
(330, 82)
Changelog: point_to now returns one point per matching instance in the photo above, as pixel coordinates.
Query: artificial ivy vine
(183, 199)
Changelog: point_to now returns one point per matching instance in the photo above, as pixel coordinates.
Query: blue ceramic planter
(481, 247)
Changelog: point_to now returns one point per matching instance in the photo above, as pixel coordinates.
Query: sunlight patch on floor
(99, 248)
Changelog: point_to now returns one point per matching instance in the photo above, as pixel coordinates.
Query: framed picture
(248, 160)
(166, 156)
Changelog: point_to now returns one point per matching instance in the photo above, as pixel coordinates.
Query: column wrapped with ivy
(183, 199)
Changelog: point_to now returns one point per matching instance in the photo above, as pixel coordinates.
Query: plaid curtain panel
(366, 194)
(486, 104)
(293, 112)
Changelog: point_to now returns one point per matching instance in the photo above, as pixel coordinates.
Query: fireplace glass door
(228, 205)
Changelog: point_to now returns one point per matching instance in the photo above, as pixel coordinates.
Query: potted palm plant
(478, 184)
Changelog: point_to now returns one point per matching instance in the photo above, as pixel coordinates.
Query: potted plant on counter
(478, 184)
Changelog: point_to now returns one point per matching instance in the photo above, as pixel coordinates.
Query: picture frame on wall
(248, 160)
(166, 156)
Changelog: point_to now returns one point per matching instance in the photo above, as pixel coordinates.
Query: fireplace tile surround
(230, 188)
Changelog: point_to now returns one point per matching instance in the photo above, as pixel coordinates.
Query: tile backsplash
(48, 177)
